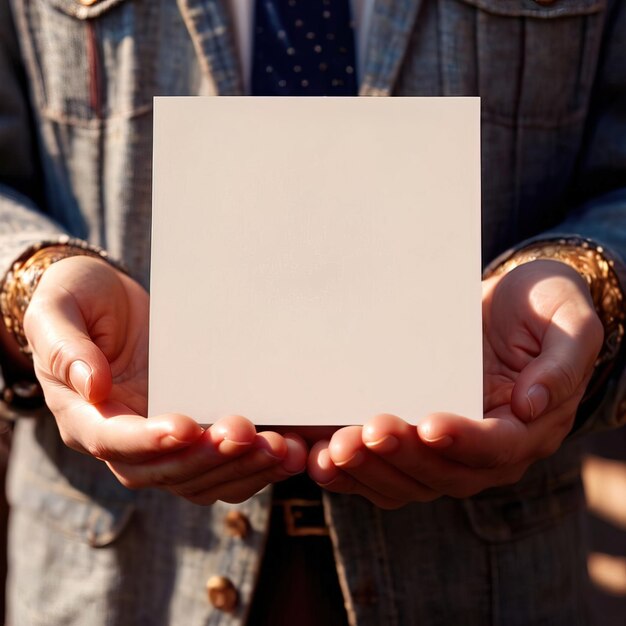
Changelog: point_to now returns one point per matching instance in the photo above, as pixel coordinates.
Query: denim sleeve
(598, 200)
(22, 223)
(599, 194)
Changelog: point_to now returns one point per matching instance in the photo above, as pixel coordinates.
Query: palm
(113, 310)
(129, 367)
(524, 315)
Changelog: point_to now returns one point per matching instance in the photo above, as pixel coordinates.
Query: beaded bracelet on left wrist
(20, 282)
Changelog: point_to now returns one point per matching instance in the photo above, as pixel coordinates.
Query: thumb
(560, 372)
(63, 351)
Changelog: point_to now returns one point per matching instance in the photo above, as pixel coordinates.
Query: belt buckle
(297, 512)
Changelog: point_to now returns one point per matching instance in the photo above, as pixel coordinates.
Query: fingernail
(538, 400)
(81, 378)
(324, 461)
(266, 453)
(440, 442)
(294, 465)
(388, 443)
(425, 432)
(355, 460)
(168, 442)
(237, 443)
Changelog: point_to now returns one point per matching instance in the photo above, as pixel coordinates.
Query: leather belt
(303, 518)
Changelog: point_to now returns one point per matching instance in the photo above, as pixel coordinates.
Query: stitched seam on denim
(518, 135)
(67, 491)
(339, 562)
(27, 46)
(494, 7)
(495, 584)
(260, 555)
(197, 44)
(94, 123)
(388, 593)
(526, 121)
(380, 74)
(95, 75)
(80, 534)
(82, 12)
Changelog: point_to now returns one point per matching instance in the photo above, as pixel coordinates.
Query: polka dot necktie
(303, 47)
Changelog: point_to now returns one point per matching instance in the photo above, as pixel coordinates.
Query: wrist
(596, 270)
(20, 282)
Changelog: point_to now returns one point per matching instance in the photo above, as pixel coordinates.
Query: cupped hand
(87, 325)
(541, 337)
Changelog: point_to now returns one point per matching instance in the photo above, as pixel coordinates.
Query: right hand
(87, 325)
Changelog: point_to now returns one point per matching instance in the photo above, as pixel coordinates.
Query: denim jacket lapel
(208, 22)
(390, 30)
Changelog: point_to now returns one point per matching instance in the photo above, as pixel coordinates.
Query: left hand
(541, 337)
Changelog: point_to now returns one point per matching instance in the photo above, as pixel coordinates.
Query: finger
(320, 466)
(490, 443)
(562, 369)
(62, 348)
(400, 445)
(347, 451)
(297, 453)
(269, 450)
(323, 471)
(241, 489)
(109, 432)
(344, 484)
(211, 459)
(127, 437)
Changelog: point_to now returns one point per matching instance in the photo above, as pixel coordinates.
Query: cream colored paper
(316, 260)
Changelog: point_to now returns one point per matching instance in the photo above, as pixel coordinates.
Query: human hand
(87, 325)
(541, 337)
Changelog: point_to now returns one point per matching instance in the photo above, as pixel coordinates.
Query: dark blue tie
(303, 47)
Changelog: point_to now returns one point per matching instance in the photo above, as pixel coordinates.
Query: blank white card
(316, 260)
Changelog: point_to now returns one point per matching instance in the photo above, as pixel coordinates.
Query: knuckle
(126, 480)
(241, 468)
(595, 331)
(160, 478)
(129, 482)
(70, 440)
(566, 374)
(545, 450)
(57, 359)
(96, 449)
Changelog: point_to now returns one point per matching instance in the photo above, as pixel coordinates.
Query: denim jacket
(77, 78)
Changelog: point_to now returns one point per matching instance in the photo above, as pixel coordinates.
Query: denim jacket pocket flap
(85, 9)
(502, 515)
(532, 8)
(97, 523)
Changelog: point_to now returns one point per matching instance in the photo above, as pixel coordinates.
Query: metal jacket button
(222, 593)
(237, 524)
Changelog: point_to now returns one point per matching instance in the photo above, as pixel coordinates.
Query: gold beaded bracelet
(590, 261)
(20, 282)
